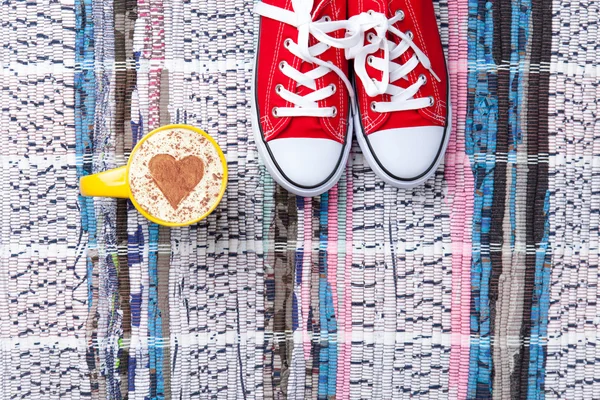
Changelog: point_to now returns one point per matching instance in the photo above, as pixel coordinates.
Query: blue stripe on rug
(480, 134)
(331, 339)
(328, 354)
(327, 319)
(324, 333)
(85, 109)
(156, 352)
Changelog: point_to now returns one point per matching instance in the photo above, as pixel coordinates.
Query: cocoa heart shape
(176, 178)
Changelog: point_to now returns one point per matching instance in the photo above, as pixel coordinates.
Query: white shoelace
(301, 18)
(401, 98)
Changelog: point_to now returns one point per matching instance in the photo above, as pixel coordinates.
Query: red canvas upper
(420, 20)
(271, 52)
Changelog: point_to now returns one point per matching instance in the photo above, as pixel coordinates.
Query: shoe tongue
(318, 12)
(319, 7)
(306, 67)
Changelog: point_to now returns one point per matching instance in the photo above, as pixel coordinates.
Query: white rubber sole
(286, 184)
(270, 163)
(401, 184)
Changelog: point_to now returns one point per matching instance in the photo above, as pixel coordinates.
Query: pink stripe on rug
(332, 258)
(156, 47)
(345, 319)
(459, 178)
(306, 273)
(332, 247)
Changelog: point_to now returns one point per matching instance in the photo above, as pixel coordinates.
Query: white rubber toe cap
(306, 162)
(407, 153)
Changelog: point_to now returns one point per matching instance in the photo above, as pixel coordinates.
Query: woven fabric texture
(481, 284)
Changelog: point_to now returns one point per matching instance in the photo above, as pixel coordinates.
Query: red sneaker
(301, 110)
(402, 93)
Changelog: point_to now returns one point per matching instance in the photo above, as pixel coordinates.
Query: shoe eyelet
(423, 78)
(370, 12)
(431, 101)
(274, 111)
(370, 60)
(327, 18)
(279, 88)
(374, 106)
(333, 88)
(410, 35)
(334, 112)
(282, 65)
(401, 13)
(287, 43)
(371, 37)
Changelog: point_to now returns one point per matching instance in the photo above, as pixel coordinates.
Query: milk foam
(178, 143)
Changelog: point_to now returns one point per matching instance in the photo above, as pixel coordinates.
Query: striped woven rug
(481, 284)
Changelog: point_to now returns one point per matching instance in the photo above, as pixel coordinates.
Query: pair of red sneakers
(306, 107)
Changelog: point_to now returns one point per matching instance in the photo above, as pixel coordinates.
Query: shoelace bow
(354, 45)
(401, 98)
(302, 19)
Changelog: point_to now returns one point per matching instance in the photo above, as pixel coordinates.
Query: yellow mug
(115, 182)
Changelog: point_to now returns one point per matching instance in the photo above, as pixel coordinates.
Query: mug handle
(111, 183)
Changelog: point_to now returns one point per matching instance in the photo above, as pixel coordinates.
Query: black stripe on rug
(537, 179)
(501, 51)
